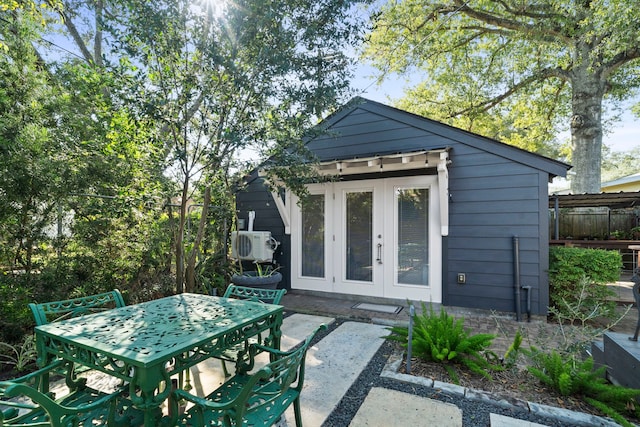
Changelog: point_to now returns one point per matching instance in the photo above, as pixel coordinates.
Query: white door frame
(385, 217)
(341, 284)
(392, 288)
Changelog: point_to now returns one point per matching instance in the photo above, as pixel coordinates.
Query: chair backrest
(251, 399)
(54, 311)
(269, 296)
(23, 404)
(270, 383)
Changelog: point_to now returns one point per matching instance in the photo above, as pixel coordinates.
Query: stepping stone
(384, 407)
(332, 365)
(298, 327)
(497, 420)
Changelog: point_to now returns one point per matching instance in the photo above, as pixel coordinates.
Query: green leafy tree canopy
(515, 70)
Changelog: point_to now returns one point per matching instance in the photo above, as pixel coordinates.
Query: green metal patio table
(145, 344)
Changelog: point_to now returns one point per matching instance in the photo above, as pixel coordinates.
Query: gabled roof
(441, 135)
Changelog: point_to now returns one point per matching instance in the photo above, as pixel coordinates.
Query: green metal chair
(22, 404)
(267, 296)
(257, 399)
(54, 311)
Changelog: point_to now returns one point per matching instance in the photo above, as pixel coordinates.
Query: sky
(624, 136)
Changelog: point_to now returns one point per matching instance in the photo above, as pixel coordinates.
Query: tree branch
(526, 12)
(75, 34)
(488, 104)
(619, 60)
(545, 33)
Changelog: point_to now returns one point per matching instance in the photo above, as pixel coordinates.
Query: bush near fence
(569, 265)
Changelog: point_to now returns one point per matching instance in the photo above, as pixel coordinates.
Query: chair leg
(296, 410)
(224, 369)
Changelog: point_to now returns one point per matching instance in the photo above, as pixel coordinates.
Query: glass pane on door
(413, 236)
(312, 234)
(359, 229)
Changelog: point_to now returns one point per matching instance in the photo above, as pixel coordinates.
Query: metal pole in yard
(412, 311)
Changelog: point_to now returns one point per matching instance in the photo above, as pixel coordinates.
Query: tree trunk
(180, 237)
(190, 270)
(586, 131)
(172, 242)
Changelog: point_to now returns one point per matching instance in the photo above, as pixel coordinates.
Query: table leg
(276, 333)
(148, 389)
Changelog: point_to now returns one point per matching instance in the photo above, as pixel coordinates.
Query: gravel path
(475, 413)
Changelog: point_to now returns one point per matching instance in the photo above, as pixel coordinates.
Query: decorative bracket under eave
(443, 182)
(282, 205)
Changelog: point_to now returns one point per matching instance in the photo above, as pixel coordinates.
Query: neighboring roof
(553, 167)
(611, 200)
(621, 181)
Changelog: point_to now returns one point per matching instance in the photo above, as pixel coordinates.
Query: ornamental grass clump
(570, 376)
(443, 339)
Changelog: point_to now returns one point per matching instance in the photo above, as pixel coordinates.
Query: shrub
(568, 268)
(20, 356)
(15, 316)
(570, 377)
(443, 339)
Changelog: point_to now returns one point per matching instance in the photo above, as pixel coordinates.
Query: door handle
(379, 259)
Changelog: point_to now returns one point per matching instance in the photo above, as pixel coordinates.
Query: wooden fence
(601, 229)
(595, 225)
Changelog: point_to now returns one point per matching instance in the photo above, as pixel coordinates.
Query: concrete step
(622, 358)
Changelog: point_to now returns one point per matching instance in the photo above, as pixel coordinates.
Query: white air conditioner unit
(253, 245)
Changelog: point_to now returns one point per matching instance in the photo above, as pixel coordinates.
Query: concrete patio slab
(333, 365)
(208, 375)
(383, 407)
(502, 421)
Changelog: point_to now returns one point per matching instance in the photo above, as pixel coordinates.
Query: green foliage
(511, 356)
(568, 265)
(21, 355)
(15, 316)
(443, 339)
(578, 278)
(82, 189)
(29, 155)
(611, 413)
(103, 142)
(216, 84)
(573, 377)
(493, 69)
(213, 274)
(616, 164)
(588, 302)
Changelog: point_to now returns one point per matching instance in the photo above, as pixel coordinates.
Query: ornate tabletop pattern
(152, 331)
(147, 343)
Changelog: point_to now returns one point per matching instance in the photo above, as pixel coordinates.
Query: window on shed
(313, 240)
(413, 236)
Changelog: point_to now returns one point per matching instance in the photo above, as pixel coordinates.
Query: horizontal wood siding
(256, 198)
(496, 192)
(366, 134)
(368, 149)
(492, 200)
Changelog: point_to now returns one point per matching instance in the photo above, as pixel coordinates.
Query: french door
(370, 237)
